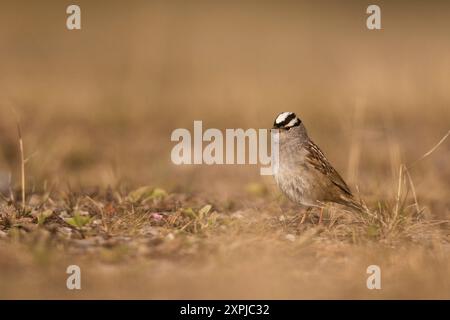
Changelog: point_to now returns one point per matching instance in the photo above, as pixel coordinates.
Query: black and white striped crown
(286, 120)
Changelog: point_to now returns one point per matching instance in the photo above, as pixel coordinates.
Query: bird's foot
(321, 216)
(303, 218)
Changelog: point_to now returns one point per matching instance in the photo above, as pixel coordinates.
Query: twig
(22, 163)
(413, 189)
(399, 192)
(405, 167)
(22, 157)
(11, 193)
(430, 151)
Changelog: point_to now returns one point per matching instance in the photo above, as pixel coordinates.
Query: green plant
(79, 220)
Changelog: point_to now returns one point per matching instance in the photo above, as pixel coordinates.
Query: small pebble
(170, 237)
(290, 237)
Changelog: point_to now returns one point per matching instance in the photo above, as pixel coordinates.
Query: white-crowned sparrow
(304, 175)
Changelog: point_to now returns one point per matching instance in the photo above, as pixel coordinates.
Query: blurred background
(97, 105)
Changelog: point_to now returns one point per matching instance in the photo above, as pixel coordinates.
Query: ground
(150, 244)
(96, 109)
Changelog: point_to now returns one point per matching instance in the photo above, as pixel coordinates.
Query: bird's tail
(352, 203)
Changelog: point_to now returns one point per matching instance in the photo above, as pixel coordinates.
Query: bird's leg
(305, 215)
(321, 215)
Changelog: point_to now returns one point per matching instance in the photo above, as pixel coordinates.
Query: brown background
(97, 107)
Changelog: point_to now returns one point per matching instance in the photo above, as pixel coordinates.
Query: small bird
(304, 174)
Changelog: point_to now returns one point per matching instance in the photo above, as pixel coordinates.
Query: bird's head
(286, 121)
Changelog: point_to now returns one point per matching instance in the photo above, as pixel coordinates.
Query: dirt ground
(97, 106)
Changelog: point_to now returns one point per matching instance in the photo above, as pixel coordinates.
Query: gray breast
(293, 178)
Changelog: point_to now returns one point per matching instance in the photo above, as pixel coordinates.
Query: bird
(304, 174)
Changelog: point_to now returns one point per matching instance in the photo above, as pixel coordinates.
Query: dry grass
(96, 111)
(150, 244)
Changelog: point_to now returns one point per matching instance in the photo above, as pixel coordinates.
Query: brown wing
(317, 159)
